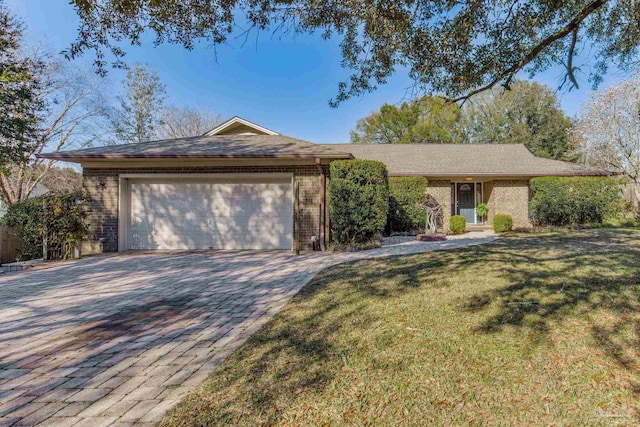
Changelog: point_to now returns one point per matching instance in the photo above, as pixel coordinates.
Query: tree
(607, 133)
(62, 179)
(138, 115)
(426, 120)
(19, 92)
(183, 122)
(527, 114)
(73, 118)
(454, 48)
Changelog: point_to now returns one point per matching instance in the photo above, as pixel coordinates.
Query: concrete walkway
(118, 340)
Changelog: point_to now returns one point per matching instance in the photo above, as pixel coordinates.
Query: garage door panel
(203, 215)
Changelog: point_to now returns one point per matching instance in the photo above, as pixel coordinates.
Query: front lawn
(528, 330)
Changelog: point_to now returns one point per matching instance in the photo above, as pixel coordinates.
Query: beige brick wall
(441, 191)
(502, 196)
(510, 197)
(103, 186)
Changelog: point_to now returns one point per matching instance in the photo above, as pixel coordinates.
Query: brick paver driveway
(120, 339)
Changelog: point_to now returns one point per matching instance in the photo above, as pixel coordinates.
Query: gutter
(77, 158)
(502, 175)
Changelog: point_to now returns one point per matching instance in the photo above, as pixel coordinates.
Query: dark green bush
(56, 215)
(358, 200)
(407, 203)
(457, 224)
(574, 200)
(502, 223)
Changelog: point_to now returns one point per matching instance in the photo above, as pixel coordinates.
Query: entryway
(467, 195)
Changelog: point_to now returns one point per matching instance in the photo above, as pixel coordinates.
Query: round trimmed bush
(457, 224)
(502, 223)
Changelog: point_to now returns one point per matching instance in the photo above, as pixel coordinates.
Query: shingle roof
(401, 159)
(216, 146)
(463, 159)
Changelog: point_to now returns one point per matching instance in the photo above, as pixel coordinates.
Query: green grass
(538, 329)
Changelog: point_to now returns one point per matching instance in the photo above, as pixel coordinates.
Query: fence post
(45, 237)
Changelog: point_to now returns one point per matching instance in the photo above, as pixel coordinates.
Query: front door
(466, 205)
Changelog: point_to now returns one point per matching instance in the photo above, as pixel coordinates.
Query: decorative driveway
(118, 340)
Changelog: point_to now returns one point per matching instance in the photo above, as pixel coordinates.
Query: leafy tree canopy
(426, 120)
(20, 98)
(448, 47)
(527, 114)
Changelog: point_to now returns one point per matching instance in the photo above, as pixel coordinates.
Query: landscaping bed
(536, 329)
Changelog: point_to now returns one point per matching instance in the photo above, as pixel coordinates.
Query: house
(243, 186)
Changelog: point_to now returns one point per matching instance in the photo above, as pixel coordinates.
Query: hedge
(358, 200)
(457, 224)
(407, 204)
(574, 200)
(502, 223)
(57, 215)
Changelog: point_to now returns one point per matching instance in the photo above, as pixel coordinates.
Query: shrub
(358, 200)
(56, 215)
(502, 223)
(574, 200)
(407, 203)
(457, 224)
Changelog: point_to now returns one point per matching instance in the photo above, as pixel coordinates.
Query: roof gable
(239, 126)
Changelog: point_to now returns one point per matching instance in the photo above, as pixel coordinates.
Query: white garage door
(189, 214)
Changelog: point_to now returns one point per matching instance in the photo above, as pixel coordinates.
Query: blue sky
(283, 84)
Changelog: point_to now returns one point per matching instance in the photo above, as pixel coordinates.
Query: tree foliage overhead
(139, 113)
(528, 114)
(454, 48)
(20, 100)
(426, 120)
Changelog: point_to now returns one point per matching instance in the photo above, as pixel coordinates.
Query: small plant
(457, 224)
(502, 223)
(482, 210)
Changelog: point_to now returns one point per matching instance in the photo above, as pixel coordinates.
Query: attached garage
(231, 188)
(225, 212)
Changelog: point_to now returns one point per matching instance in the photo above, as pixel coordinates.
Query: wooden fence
(10, 244)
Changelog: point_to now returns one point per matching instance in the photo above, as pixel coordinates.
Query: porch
(461, 196)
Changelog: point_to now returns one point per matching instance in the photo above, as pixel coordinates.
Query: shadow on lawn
(548, 278)
(592, 275)
(302, 349)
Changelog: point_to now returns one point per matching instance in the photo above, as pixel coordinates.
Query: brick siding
(102, 186)
(510, 197)
(441, 191)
